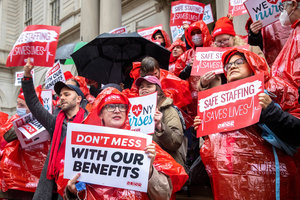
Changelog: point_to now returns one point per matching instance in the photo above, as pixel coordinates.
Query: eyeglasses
(237, 63)
(112, 107)
(224, 42)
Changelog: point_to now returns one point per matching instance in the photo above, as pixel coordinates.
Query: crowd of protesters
(241, 164)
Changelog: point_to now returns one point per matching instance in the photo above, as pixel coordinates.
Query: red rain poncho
(173, 59)
(186, 58)
(165, 35)
(20, 169)
(163, 162)
(241, 163)
(287, 63)
(173, 87)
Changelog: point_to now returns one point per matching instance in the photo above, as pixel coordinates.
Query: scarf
(57, 153)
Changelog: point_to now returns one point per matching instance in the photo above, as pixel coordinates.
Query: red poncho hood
(165, 35)
(207, 39)
(102, 100)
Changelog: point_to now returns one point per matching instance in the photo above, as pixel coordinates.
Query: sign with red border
(37, 42)
(231, 106)
(107, 156)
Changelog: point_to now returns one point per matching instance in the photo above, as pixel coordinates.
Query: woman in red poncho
(20, 168)
(111, 109)
(177, 49)
(240, 163)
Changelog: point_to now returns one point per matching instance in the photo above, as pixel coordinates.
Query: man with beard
(70, 97)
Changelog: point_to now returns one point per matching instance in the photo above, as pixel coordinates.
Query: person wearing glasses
(240, 161)
(111, 109)
(224, 36)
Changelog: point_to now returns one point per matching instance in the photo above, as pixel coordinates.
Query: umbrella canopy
(63, 53)
(107, 57)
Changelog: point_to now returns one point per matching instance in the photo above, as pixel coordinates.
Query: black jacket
(45, 187)
(283, 124)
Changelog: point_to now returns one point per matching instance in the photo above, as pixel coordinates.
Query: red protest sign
(105, 140)
(184, 12)
(208, 59)
(38, 42)
(231, 106)
(236, 7)
(147, 32)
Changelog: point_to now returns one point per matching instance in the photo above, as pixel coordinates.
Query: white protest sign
(19, 76)
(147, 32)
(119, 30)
(208, 15)
(29, 131)
(141, 113)
(54, 75)
(268, 11)
(107, 156)
(47, 100)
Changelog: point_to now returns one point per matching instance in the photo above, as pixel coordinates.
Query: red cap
(223, 26)
(112, 99)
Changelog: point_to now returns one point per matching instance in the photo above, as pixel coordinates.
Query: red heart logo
(137, 109)
(273, 1)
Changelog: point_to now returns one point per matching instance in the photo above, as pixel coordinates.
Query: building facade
(80, 20)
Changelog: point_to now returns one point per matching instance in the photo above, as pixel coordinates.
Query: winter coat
(241, 163)
(45, 187)
(161, 184)
(287, 63)
(171, 137)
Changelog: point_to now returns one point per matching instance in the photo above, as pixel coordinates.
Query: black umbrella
(105, 58)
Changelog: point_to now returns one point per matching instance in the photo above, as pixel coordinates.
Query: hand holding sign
(27, 68)
(157, 119)
(197, 122)
(71, 184)
(264, 100)
(207, 78)
(256, 26)
(150, 151)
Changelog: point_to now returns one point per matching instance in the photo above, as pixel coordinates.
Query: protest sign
(267, 11)
(141, 113)
(147, 32)
(208, 16)
(29, 131)
(47, 100)
(107, 156)
(208, 59)
(231, 106)
(54, 75)
(119, 30)
(236, 7)
(184, 12)
(20, 75)
(38, 42)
